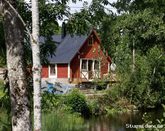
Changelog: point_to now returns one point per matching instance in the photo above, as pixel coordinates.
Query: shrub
(100, 84)
(77, 102)
(51, 101)
(94, 107)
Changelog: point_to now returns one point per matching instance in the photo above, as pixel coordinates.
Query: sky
(76, 7)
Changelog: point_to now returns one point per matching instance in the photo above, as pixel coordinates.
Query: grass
(52, 121)
(62, 122)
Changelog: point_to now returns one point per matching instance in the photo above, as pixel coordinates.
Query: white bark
(36, 66)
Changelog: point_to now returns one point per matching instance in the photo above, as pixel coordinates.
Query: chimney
(63, 30)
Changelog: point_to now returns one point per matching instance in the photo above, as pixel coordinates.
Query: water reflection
(114, 123)
(118, 122)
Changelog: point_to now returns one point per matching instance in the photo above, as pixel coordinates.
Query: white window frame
(53, 76)
(93, 64)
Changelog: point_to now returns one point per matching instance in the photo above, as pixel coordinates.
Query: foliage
(4, 121)
(2, 46)
(58, 120)
(74, 102)
(4, 109)
(4, 98)
(155, 125)
(89, 17)
(50, 13)
(77, 102)
(100, 84)
(140, 23)
(94, 107)
(146, 81)
(110, 103)
(51, 102)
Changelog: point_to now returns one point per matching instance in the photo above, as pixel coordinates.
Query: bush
(77, 102)
(51, 101)
(100, 84)
(95, 107)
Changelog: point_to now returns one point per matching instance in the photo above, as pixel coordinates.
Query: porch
(89, 69)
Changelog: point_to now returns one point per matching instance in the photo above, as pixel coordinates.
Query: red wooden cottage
(77, 59)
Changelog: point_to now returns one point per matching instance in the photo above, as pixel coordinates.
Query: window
(84, 65)
(52, 70)
(96, 65)
(91, 40)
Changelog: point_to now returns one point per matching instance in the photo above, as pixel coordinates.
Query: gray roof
(55, 38)
(67, 49)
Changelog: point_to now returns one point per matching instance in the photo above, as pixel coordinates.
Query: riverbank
(84, 110)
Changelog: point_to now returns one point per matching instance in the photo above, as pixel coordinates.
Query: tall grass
(58, 121)
(54, 121)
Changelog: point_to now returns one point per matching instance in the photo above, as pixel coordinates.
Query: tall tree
(14, 40)
(36, 66)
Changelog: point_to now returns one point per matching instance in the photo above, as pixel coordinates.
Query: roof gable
(69, 46)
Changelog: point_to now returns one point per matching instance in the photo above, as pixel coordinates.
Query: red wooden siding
(75, 67)
(104, 66)
(44, 72)
(62, 70)
(89, 52)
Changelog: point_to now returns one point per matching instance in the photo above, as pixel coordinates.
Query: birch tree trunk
(36, 66)
(14, 39)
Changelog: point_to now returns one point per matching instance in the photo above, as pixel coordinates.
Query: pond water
(123, 122)
(117, 122)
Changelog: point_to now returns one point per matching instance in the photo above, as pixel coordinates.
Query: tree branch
(23, 22)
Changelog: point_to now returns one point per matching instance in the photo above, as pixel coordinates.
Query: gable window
(84, 65)
(52, 70)
(91, 40)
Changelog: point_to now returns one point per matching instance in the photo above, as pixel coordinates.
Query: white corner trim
(108, 67)
(68, 70)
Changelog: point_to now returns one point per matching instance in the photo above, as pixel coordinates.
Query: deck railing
(90, 75)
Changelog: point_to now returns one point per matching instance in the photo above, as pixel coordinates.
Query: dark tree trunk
(14, 38)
